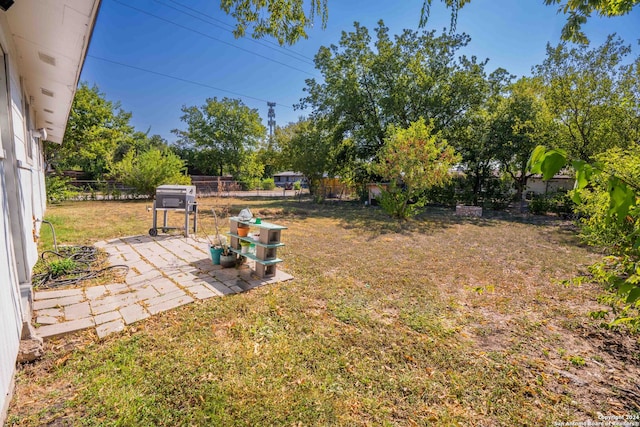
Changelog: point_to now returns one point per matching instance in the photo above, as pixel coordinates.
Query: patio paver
(63, 328)
(165, 272)
(109, 328)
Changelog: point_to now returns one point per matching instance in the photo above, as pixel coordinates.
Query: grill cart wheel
(153, 232)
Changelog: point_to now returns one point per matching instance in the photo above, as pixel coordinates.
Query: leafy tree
(413, 160)
(138, 142)
(584, 92)
(252, 169)
(285, 20)
(268, 157)
(627, 118)
(471, 137)
(95, 129)
(609, 192)
(476, 156)
(150, 169)
(520, 122)
(578, 11)
(197, 160)
(98, 135)
(369, 86)
(599, 228)
(221, 134)
(305, 147)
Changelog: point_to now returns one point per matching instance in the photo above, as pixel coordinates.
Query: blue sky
(148, 55)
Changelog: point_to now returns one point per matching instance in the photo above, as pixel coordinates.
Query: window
(28, 141)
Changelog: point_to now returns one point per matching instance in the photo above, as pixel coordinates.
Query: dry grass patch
(438, 321)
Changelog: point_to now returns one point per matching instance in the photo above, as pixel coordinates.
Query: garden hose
(53, 233)
(74, 255)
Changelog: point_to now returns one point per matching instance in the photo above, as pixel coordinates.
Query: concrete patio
(165, 272)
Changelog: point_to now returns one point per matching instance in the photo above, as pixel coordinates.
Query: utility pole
(272, 120)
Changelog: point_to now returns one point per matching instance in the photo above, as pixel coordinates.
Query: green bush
(393, 201)
(562, 205)
(149, 170)
(448, 194)
(61, 267)
(619, 272)
(497, 194)
(58, 189)
(268, 184)
(297, 185)
(559, 203)
(539, 205)
(250, 184)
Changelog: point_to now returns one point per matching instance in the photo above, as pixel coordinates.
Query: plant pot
(215, 255)
(227, 261)
(244, 247)
(243, 231)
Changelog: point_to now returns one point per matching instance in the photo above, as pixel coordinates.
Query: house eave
(51, 39)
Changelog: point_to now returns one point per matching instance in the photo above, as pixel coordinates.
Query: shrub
(559, 203)
(497, 194)
(250, 184)
(413, 160)
(149, 170)
(539, 205)
(562, 205)
(619, 272)
(268, 184)
(394, 202)
(448, 194)
(58, 189)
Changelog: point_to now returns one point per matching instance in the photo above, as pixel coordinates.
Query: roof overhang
(51, 39)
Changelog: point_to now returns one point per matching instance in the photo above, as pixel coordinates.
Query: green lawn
(436, 321)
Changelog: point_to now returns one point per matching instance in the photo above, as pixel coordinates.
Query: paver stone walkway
(165, 272)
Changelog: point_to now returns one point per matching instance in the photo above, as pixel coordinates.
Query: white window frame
(28, 124)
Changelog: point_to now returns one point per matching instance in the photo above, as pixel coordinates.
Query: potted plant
(243, 230)
(220, 249)
(216, 247)
(227, 258)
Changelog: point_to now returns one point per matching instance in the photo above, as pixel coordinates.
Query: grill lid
(177, 189)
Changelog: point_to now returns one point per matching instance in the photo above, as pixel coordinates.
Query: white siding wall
(537, 186)
(62, 28)
(29, 190)
(10, 313)
(22, 199)
(10, 307)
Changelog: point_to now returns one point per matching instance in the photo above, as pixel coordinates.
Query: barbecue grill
(175, 198)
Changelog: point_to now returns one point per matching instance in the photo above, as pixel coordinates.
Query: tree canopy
(585, 91)
(98, 134)
(305, 147)
(578, 11)
(220, 135)
(286, 20)
(412, 161)
(368, 86)
(519, 122)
